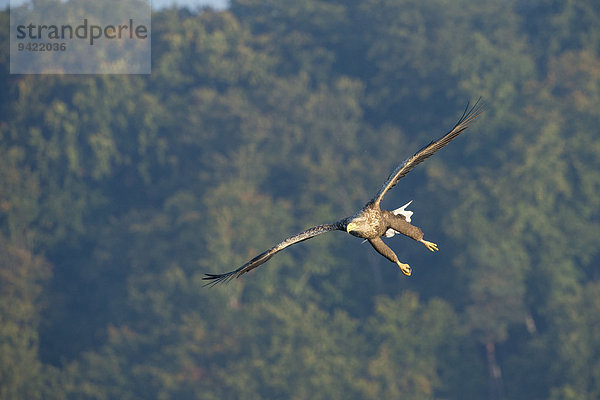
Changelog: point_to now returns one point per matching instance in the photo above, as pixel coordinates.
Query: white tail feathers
(400, 211)
(403, 211)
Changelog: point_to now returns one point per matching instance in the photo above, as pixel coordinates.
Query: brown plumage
(370, 222)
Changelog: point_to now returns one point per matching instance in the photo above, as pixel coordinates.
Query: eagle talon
(430, 245)
(406, 270)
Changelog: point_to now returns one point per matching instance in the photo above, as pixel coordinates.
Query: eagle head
(356, 227)
(351, 227)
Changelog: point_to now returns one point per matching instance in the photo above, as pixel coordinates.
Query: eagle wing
(468, 116)
(266, 256)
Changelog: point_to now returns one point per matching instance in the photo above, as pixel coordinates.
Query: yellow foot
(430, 245)
(406, 270)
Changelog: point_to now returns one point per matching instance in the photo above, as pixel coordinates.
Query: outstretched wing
(468, 116)
(266, 256)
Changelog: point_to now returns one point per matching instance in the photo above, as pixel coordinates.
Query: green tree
(416, 346)
(22, 275)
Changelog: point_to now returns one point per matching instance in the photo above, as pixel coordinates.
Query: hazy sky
(219, 4)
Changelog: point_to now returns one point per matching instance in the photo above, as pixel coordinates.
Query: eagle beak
(350, 227)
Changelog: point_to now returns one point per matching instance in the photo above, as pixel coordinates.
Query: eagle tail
(400, 211)
(403, 211)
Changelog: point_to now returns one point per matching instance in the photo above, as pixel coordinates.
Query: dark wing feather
(266, 256)
(468, 116)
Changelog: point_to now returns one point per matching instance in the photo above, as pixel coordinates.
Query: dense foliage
(117, 193)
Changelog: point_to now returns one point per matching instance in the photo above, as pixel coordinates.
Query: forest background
(117, 193)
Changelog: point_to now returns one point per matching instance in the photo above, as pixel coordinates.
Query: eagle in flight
(370, 222)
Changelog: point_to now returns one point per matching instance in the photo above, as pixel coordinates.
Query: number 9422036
(42, 46)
